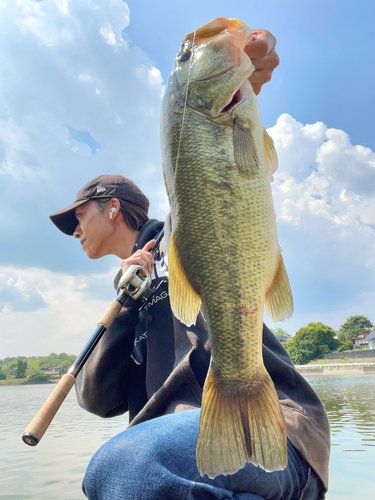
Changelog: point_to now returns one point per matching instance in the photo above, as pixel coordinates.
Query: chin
(93, 256)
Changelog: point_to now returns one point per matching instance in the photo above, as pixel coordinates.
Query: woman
(153, 366)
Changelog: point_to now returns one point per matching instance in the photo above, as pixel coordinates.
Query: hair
(134, 215)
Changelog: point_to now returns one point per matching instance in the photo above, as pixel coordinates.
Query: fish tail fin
(185, 301)
(240, 426)
(279, 299)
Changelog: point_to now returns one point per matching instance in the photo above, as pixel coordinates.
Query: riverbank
(21, 381)
(337, 369)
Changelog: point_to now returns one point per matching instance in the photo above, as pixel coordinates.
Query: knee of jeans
(92, 477)
(121, 453)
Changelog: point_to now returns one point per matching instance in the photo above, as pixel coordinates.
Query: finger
(257, 87)
(139, 260)
(149, 245)
(150, 265)
(262, 44)
(270, 61)
(124, 266)
(261, 76)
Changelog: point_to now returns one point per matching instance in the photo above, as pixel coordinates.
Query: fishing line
(186, 96)
(183, 118)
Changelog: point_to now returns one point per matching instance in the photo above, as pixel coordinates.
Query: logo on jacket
(156, 298)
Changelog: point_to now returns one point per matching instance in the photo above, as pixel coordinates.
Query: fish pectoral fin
(244, 148)
(185, 301)
(279, 299)
(240, 426)
(271, 156)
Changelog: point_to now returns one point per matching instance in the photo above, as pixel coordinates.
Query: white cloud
(331, 198)
(326, 219)
(72, 107)
(43, 312)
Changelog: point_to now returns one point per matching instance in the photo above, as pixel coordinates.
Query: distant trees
(30, 368)
(38, 377)
(21, 369)
(280, 332)
(310, 342)
(353, 326)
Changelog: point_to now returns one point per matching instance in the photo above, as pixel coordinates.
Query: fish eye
(185, 56)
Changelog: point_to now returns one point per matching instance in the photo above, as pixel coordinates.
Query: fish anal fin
(279, 299)
(240, 426)
(185, 301)
(270, 152)
(244, 148)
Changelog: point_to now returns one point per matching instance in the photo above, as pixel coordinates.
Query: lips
(82, 241)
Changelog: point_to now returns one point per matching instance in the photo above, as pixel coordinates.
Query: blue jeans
(156, 460)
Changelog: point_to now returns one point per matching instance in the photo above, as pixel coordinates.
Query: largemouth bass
(218, 162)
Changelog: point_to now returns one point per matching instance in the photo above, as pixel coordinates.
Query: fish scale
(224, 252)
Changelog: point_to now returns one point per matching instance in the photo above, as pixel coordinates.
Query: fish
(224, 257)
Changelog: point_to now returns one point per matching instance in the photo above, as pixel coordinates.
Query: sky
(80, 92)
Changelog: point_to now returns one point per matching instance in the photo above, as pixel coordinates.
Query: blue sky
(80, 96)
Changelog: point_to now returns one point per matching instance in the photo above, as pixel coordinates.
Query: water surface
(54, 469)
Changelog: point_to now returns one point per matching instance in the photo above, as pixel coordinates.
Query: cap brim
(65, 219)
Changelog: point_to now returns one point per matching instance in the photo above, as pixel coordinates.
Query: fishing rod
(134, 283)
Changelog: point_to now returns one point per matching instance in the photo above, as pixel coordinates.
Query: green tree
(310, 342)
(353, 326)
(38, 377)
(346, 346)
(280, 332)
(2, 376)
(66, 364)
(21, 368)
(33, 366)
(11, 368)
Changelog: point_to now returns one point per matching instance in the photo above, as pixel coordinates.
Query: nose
(77, 232)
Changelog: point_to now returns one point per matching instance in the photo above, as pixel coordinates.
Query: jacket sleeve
(102, 384)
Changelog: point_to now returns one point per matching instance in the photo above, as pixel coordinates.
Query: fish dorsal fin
(244, 148)
(279, 299)
(185, 301)
(271, 156)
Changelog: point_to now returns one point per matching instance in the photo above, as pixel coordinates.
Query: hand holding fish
(264, 57)
(141, 257)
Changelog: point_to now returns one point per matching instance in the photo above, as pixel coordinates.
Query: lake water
(54, 469)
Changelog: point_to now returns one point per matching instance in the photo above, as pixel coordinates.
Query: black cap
(104, 186)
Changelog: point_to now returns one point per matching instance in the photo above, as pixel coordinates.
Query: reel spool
(135, 282)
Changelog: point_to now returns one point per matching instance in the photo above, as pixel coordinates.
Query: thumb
(149, 245)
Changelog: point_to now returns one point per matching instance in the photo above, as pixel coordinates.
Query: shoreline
(305, 370)
(29, 383)
(328, 370)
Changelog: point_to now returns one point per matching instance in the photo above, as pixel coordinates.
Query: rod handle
(109, 316)
(40, 423)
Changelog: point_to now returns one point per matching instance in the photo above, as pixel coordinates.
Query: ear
(113, 210)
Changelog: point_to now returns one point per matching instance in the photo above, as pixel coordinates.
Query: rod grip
(109, 316)
(40, 423)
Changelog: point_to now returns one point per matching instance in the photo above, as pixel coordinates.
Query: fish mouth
(236, 98)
